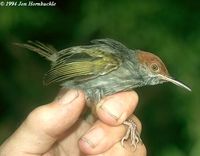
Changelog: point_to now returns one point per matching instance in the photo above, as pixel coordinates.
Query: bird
(103, 68)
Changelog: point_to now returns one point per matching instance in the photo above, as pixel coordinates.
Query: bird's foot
(131, 133)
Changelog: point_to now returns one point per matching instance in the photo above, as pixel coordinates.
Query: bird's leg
(93, 97)
(131, 133)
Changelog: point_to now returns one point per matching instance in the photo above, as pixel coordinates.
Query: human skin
(56, 129)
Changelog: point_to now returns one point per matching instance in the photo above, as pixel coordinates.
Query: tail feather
(46, 51)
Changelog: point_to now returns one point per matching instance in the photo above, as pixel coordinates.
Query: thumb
(44, 125)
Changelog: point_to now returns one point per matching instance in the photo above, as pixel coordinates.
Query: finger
(115, 109)
(118, 150)
(45, 124)
(102, 137)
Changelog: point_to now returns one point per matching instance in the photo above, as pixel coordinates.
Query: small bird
(103, 68)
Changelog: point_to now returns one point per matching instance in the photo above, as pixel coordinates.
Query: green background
(169, 28)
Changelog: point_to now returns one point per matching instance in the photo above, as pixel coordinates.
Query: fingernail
(112, 107)
(68, 97)
(93, 137)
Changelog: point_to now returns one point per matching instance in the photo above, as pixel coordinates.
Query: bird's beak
(169, 79)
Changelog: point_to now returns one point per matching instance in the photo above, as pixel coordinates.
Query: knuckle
(38, 115)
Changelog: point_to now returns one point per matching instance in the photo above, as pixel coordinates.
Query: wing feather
(74, 67)
(112, 43)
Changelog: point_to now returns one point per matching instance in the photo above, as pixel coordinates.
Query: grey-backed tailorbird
(103, 68)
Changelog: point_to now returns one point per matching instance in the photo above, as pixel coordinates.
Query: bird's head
(153, 70)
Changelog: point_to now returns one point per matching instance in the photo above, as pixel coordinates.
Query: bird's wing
(82, 63)
(112, 43)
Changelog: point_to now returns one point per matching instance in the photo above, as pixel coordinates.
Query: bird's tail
(47, 51)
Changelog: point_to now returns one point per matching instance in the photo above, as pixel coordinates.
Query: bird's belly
(119, 80)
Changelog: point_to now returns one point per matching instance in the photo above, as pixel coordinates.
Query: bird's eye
(154, 67)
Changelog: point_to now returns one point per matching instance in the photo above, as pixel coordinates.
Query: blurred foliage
(170, 29)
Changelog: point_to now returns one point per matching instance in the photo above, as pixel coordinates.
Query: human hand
(55, 129)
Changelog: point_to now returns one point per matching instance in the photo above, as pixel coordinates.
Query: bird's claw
(132, 133)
